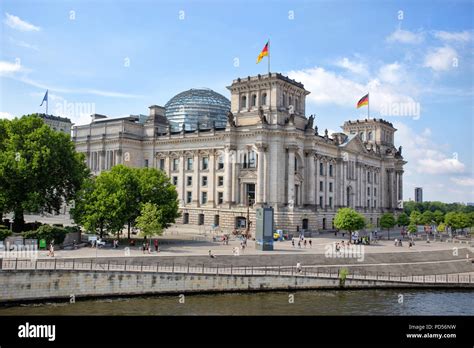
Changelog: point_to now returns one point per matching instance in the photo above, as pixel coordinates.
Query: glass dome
(197, 107)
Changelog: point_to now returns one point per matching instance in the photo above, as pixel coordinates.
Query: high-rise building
(419, 194)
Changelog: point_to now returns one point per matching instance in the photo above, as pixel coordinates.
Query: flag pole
(368, 106)
(269, 57)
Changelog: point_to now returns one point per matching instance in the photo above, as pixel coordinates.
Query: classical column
(265, 177)
(316, 183)
(401, 185)
(260, 173)
(196, 182)
(227, 176)
(310, 179)
(326, 184)
(181, 180)
(291, 174)
(211, 184)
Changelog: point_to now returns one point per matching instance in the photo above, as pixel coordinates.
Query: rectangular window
(375, 204)
(204, 181)
(330, 170)
(162, 164)
(368, 177)
(321, 169)
(205, 163)
(220, 197)
(321, 201)
(252, 160)
(175, 164)
(220, 163)
(220, 181)
(368, 203)
(189, 164)
(204, 197)
(330, 187)
(375, 191)
(368, 191)
(189, 180)
(330, 202)
(175, 180)
(189, 197)
(146, 163)
(375, 178)
(321, 186)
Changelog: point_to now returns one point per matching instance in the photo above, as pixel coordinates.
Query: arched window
(284, 99)
(369, 136)
(297, 102)
(361, 134)
(244, 101)
(289, 101)
(254, 100)
(264, 99)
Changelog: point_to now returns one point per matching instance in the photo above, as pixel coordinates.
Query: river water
(321, 302)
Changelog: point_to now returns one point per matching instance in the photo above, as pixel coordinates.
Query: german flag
(363, 101)
(263, 53)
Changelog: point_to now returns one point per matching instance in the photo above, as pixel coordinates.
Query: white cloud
(423, 155)
(6, 115)
(8, 67)
(327, 87)
(391, 73)
(357, 68)
(464, 181)
(24, 44)
(441, 58)
(460, 36)
(19, 24)
(406, 37)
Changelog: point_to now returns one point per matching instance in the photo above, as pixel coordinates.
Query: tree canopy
(117, 197)
(39, 168)
(349, 220)
(149, 220)
(403, 220)
(387, 221)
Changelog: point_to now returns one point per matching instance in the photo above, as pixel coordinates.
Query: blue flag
(45, 99)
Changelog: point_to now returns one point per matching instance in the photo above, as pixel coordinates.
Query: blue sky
(119, 57)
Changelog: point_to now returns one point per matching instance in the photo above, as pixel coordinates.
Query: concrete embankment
(28, 285)
(404, 263)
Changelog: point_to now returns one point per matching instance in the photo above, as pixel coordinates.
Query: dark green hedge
(48, 233)
(4, 233)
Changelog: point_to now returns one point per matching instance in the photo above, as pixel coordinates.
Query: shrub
(48, 233)
(4, 233)
(31, 226)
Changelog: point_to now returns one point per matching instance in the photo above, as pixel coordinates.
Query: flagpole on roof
(268, 57)
(368, 106)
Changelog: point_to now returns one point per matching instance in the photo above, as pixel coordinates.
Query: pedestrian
(51, 249)
(310, 243)
(298, 267)
(299, 244)
(156, 245)
(211, 255)
(293, 242)
(304, 243)
(144, 247)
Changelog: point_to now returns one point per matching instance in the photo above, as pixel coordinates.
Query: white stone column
(181, 179)
(196, 182)
(265, 176)
(291, 174)
(227, 176)
(211, 184)
(316, 183)
(310, 179)
(260, 174)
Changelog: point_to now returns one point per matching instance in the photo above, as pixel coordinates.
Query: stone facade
(269, 154)
(60, 124)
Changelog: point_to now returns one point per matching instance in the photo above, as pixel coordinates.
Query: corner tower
(276, 96)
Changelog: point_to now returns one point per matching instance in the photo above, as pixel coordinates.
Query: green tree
(349, 220)
(427, 218)
(441, 227)
(457, 220)
(438, 216)
(387, 221)
(149, 220)
(115, 198)
(403, 220)
(39, 167)
(412, 228)
(415, 217)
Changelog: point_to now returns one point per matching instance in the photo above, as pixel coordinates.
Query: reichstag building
(259, 149)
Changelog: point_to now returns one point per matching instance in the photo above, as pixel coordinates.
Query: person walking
(156, 245)
(304, 243)
(299, 244)
(293, 242)
(310, 243)
(298, 267)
